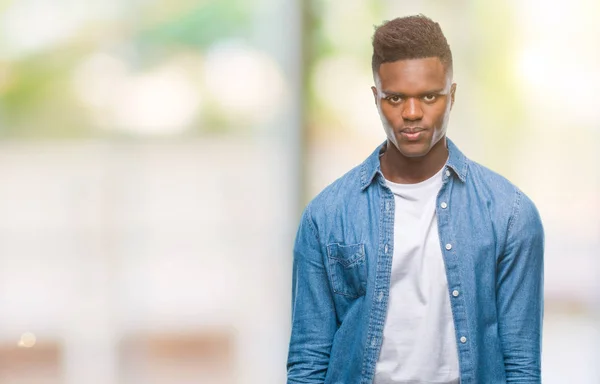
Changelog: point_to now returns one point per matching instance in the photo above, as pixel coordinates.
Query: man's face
(414, 98)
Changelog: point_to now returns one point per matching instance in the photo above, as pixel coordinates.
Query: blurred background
(155, 156)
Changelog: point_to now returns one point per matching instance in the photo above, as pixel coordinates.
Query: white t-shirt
(419, 342)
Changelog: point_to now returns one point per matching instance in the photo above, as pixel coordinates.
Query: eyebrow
(391, 93)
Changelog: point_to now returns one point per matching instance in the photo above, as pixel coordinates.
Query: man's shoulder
(344, 194)
(487, 183)
(493, 180)
(342, 191)
(500, 188)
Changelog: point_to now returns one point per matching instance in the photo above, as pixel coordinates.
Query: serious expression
(414, 98)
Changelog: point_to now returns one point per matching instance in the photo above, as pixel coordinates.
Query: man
(419, 265)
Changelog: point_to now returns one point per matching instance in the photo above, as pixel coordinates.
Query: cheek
(391, 114)
(439, 115)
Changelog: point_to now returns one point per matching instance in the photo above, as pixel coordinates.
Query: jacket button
(448, 246)
(463, 339)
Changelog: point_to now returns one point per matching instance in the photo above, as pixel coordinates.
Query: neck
(400, 169)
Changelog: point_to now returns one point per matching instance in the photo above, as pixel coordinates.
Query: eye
(430, 98)
(394, 99)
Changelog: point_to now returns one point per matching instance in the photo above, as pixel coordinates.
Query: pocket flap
(347, 255)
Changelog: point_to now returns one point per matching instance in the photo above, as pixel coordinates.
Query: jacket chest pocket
(347, 269)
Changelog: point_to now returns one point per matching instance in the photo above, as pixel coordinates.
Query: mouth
(412, 134)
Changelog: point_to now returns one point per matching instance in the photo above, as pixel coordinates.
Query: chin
(413, 149)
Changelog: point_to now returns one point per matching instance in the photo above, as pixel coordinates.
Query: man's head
(412, 69)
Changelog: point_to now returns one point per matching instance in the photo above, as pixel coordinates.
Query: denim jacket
(492, 242)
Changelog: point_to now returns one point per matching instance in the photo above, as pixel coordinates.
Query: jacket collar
(457, 162)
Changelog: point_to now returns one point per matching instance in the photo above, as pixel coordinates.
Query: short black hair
(411, 37)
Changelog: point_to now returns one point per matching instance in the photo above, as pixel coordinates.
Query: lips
(412, 130)
(411, 134)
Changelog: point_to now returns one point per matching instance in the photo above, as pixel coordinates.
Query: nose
(412, 109)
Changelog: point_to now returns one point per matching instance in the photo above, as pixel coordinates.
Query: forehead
(413, 75)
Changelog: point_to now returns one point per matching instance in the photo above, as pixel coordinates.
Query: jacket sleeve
(520, 294)
(313, 311)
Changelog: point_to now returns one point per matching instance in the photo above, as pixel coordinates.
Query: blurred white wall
(102, 243)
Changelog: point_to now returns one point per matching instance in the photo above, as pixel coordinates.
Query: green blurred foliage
(197, 26)
(319, 45)
(499, 105)
(36, 100)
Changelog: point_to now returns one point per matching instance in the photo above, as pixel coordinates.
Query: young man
(419, 265)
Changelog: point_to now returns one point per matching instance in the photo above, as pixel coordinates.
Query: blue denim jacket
(492, 241)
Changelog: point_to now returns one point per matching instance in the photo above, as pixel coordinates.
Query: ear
(375, 94)
(452, 92)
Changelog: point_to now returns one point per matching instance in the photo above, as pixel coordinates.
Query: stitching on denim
(449, 223)
(343, 261)
(515, 211)
(370, 331)
(311, 224)
(331, 272)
